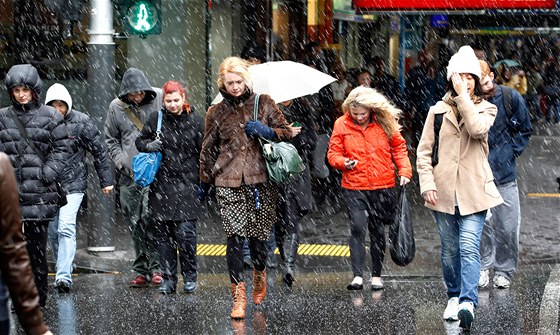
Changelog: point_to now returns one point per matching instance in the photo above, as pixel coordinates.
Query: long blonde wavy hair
(386, 114)
(234, 65)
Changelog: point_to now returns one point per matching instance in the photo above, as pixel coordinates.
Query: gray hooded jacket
(120, 131)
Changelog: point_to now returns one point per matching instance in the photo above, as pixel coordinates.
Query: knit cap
(464, 61)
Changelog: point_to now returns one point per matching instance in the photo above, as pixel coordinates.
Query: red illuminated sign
(376, 5)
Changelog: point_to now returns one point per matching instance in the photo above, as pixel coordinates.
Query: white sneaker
(450, 313)
(466, 314)
(484, 279)
(501, 281)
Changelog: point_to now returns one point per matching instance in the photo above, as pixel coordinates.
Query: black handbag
(56, 185)
(401, 232)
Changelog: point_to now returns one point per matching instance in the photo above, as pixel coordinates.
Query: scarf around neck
(235, 100)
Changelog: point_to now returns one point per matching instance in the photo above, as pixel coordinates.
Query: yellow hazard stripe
(543, 195)
(327, 250)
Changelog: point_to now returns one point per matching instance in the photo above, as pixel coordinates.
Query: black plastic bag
(401, 232)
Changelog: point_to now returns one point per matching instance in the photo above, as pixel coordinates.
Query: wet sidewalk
(318, 304)
(412, 302)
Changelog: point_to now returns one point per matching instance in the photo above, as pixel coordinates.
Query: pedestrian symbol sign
(143, 18)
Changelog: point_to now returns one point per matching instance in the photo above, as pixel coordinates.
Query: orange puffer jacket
(377, 155)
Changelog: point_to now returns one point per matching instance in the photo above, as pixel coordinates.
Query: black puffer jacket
(35, 177)
(83, 135)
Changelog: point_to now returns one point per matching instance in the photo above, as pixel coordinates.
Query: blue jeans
(460, 257)
(499, 248)
(62, 236)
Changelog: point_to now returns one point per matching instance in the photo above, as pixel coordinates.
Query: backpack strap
(438, 120)
(159, 120)
(507, 100)
(132, 116)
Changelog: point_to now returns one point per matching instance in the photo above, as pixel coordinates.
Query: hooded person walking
(456, 181)
(34, 137)
(83, 136)
(126, 117)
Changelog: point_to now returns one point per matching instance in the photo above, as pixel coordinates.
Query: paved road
(412, 302)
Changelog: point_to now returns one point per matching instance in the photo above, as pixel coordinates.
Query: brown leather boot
(259, 286)
(239, 301)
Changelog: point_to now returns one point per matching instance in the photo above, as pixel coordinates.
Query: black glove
(154, 146)
(202, 191)
(257, 129)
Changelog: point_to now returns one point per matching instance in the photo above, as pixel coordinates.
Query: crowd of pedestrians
(469, 123)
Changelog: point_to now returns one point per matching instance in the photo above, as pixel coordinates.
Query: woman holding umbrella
(231, 160)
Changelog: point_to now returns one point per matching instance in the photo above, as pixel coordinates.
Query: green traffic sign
(142, 17)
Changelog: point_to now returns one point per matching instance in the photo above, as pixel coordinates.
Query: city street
(412, 303)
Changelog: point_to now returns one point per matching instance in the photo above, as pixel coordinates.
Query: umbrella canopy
(508, 62)
(285, 80)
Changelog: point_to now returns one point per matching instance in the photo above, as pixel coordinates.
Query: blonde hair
(386, 114)
(484, 68)
(234, 65)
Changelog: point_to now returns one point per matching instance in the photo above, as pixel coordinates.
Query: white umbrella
(285, 80)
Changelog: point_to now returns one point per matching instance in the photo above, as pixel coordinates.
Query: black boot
(290, 247)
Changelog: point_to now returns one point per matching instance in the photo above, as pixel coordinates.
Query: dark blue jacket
(508, 136)
(83, 135)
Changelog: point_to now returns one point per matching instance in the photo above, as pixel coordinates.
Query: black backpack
(507, 93)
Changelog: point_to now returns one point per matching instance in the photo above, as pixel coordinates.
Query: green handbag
(282, 158)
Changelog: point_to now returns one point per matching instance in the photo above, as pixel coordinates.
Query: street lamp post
(101, 76)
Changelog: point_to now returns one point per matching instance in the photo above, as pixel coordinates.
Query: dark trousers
(369, 211)
(173, 235)
(287, 223)
(287, 214)
(134, 204)
(5, 327)
(36, 235)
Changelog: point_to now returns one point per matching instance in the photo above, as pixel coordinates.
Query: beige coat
(463, 176)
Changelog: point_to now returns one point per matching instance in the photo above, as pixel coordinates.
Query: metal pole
(208, 52)
(101, 81)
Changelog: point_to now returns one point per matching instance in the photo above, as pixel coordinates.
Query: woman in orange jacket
(366, 145)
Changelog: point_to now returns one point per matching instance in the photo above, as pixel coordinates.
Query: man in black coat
(83, 136)
(35, 138)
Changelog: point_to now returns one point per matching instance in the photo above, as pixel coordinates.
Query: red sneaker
(157, 278)
(139, 281)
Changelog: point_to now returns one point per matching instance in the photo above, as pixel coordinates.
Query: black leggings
(369, 211)
(234, 256)
(360, 223)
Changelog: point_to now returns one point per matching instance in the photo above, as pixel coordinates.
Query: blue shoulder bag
(146, 164)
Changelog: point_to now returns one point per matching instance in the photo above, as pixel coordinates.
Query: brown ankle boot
(259, 286)
(239, 301)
